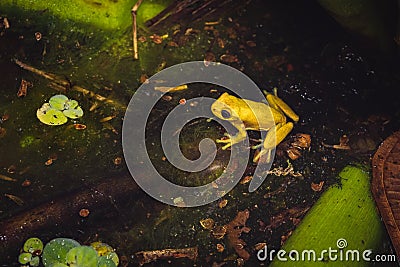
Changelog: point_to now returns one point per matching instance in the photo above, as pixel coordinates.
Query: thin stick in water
(134, 29)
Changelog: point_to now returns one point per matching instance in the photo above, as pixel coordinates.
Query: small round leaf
(34, 246)
(104, 262)
(25, 257)
(82, 256)
(58, 102)
(50, 116)
(56, 250)
(73, 113)
(71, 104)
(35, 261)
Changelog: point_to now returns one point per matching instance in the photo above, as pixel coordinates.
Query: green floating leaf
(50, 116)
(105, 251)
(35, 261)
(25, 257)
(73, 113)
(34, 246)
(58, 102)
(56, 250)
(58, 109)
(105, 262)
(83, 256)
(57, 264)
(70, 104)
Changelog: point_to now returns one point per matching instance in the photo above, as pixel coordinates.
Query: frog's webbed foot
(226, 139)
(263, 152)
(274, 136)
(230, 140)
(259, 145)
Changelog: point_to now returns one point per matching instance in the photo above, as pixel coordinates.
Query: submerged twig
(153, 255)
(97, 96)
(134, 28)
(49, 76)
(16, 199)
(61, 84)
(6, 178)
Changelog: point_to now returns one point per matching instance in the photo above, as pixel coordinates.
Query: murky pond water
(336, 88)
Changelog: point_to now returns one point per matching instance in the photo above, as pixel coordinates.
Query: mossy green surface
(107, 15)
(103, 14)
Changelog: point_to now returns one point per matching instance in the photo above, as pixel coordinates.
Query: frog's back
(261, 117)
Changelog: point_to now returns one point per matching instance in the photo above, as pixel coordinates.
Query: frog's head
(224, 107)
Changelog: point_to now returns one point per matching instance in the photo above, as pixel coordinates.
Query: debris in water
(228, 58)
(167, 98)
(169, 89)
(220, 248)
(84, 213)
(94, 106)
(26, 183)
(11, 169)
(207, 224)
(108, 118)
(144, 78)
(4, 117)
(16, 199)
(48, 162)
(117, 160)
(169, 253)
(235, 229)
(317, 187)
(260, 246)
(23, 88)
(157, 39)
(223, 203)
(343, 143)
(289, 170)
(218, 231)
(246, 179)
(38, 36)
(6, 23)
(3, 132)
(6, 178)
(294, 145)
(108, 126)
(208, 58)
(251, 43)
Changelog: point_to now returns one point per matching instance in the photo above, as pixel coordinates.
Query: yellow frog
(246, 114)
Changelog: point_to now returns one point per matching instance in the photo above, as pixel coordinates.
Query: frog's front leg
(274, 136)
(234, 139)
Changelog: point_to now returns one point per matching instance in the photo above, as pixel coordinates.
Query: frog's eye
(225, 114)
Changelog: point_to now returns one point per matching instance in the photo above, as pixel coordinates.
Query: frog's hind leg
(278, 104)
(280, 131)
(274, 136)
